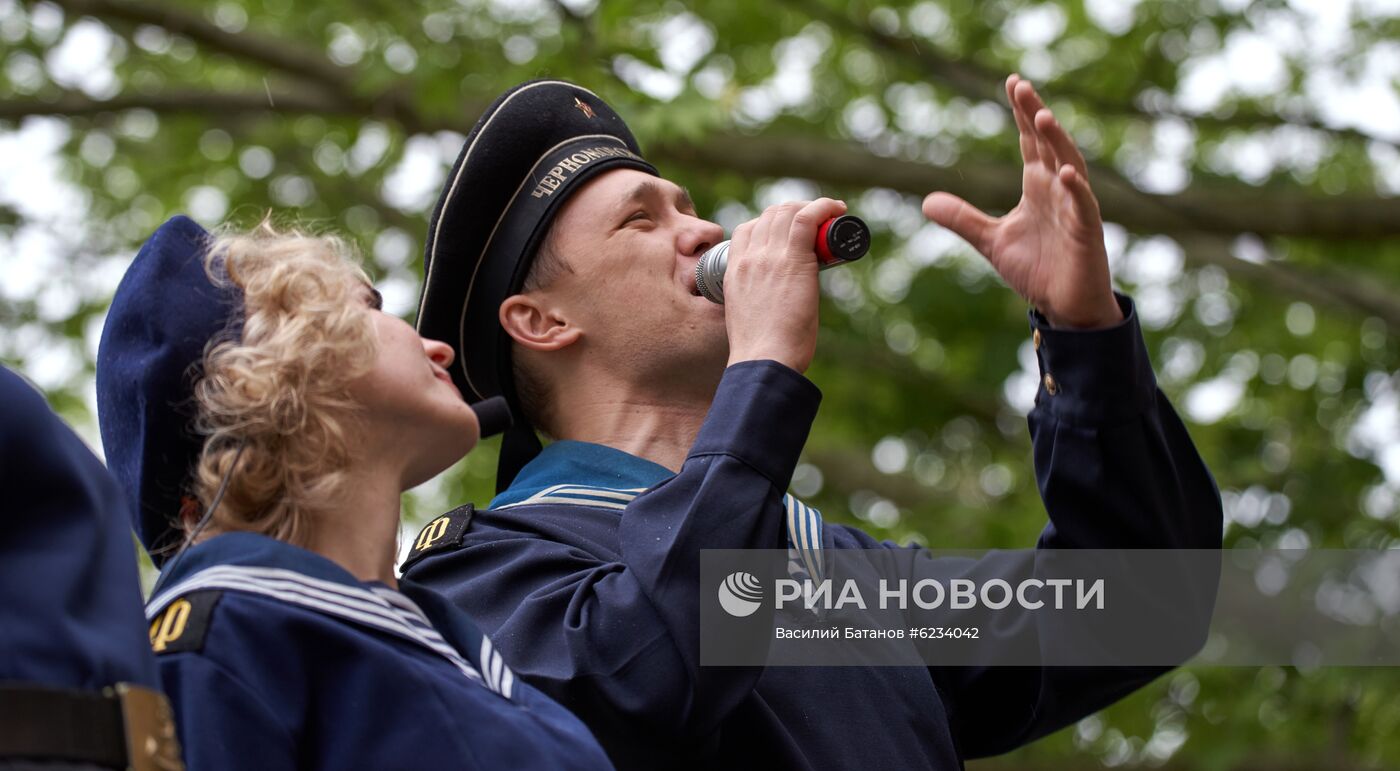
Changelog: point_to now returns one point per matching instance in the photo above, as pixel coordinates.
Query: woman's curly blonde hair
(279, 389)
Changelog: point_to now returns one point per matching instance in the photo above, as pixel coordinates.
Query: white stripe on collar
(355, 604)
(804, 523)
(581, 495)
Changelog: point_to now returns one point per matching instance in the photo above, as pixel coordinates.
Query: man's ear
(536, 324)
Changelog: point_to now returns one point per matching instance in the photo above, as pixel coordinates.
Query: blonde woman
(264, 416)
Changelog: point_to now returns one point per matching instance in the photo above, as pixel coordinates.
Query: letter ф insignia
(441, 534)
(184, 623)
(583, 107)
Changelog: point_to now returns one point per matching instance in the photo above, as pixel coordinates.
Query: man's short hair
(530, 386)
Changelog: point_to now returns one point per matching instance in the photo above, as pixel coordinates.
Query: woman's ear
(537, 325)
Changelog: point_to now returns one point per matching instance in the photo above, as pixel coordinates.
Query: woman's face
(413, 411)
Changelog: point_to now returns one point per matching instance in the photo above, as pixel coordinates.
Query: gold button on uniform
(1035, 338)
(1050, 385)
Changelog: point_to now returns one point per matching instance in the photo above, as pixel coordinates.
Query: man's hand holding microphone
(1049, 249)
(770, 284)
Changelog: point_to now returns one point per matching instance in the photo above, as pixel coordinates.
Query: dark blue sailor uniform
(586, 571)
(277, 658)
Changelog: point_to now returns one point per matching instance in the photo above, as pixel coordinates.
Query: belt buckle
(151, 744)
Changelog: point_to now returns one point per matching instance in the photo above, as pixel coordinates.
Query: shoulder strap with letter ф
(183, 624)
(441, 534)
(180, 614)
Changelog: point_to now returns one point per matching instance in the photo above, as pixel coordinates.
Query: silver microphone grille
(709, 272)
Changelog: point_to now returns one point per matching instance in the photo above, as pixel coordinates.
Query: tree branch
(989, 185)
(307, 64)
(299, 62)
(1324, 288)
(1213, 217)
(997, 186)
(974, 82)
(1202, 221)
(1201, 216)
(76, 105)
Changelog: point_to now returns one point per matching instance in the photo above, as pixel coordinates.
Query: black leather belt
(124, 726)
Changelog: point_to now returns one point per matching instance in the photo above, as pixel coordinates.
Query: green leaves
(1274, 326)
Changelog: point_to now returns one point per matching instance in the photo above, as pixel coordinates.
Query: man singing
(561, 266)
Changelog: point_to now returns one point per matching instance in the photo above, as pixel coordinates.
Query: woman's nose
(439, 353)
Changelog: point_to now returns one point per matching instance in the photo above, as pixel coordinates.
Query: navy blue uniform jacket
(274, 657)
(586, 574)
(70, 596)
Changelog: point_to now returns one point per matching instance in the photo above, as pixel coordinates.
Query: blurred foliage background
(1246, 154)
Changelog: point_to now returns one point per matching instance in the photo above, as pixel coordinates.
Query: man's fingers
(802, 233)
(1024, 126)
(962, 218)
(758, 234)
(1066, 151)
(781, 226)
(1085, 204)
(739, 240)
(1026, 104)
(1048, 157)
(1027, 97)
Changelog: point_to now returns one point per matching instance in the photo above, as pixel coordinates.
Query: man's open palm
(1050, 247)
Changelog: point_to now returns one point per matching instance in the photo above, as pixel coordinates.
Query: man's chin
(695, 372)
(710, 308)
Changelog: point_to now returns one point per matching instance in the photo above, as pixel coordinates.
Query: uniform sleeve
(618, 641)
(70, 596)
(1116, 470)
(222, 723)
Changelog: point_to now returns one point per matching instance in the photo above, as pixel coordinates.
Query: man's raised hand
(1050, 247)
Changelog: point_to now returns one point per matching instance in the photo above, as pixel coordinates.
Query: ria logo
(740, 594)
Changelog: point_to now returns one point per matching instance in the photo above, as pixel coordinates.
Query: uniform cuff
(761, 415)
(1093, 376)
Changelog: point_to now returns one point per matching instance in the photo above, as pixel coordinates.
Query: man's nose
(699, 236)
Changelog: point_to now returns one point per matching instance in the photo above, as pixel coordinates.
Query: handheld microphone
(839, 240)
(493, 415)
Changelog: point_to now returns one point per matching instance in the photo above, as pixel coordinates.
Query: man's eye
(636, 217)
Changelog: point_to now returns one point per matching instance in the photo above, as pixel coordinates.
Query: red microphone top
(842, 239)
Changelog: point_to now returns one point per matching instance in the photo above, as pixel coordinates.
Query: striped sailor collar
(261, 565)
(255, 550)
(582, 464)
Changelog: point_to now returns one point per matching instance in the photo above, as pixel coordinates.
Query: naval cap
(535, 145)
